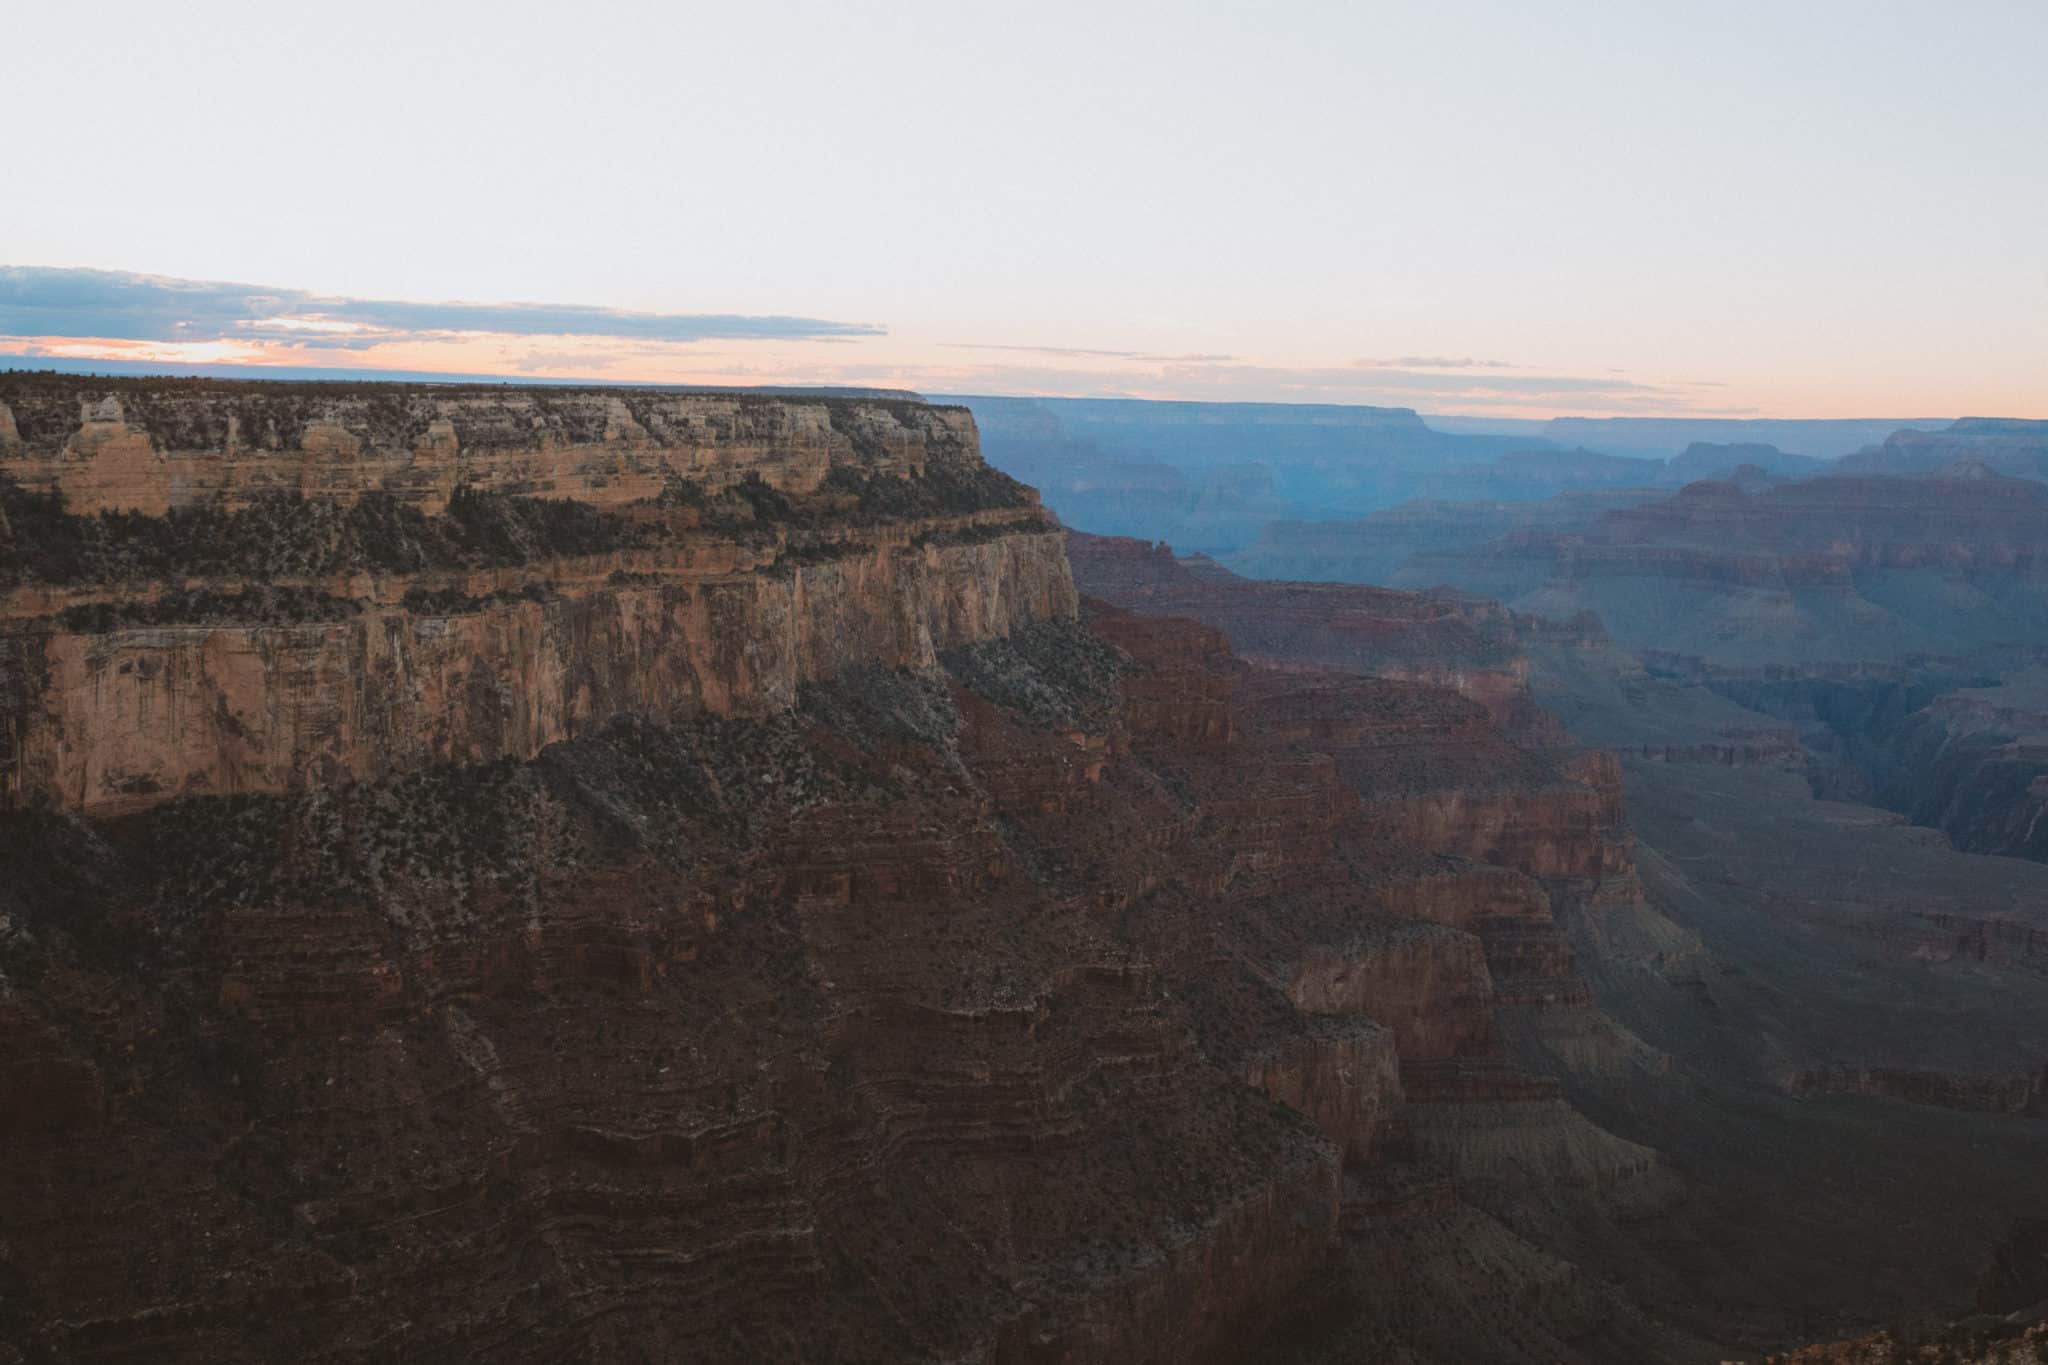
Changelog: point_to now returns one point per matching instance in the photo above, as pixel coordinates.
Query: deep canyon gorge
(539, 873)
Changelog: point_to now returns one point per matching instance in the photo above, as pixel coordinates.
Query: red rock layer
(1466, 644)
(1521, 835)
(1493, 783)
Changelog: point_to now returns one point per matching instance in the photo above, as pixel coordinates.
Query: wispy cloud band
(68, 315)
(117, 304)
(1434, 362)
(1077, 351)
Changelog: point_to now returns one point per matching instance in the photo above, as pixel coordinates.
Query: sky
(1820, 209)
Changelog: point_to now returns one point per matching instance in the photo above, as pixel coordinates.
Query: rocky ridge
(310, 609)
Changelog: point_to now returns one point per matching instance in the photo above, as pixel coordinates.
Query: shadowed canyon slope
(1814, 995)
(1773, 658)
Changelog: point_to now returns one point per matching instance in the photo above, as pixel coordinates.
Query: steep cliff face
(1973, 763)
(133, 715)
(758, 921)
(262, 641)
(476, 938)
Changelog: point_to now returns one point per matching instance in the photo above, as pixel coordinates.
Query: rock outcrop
(935, 1016)
(391, 612)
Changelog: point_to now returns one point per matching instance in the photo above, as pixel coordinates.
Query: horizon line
(113, 368)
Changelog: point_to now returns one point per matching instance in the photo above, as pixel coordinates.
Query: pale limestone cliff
(753, 545)
(151, 445)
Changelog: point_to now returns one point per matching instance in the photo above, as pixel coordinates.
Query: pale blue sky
(1803, 209)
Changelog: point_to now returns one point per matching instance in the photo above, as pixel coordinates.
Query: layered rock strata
(929, 1018)
(883, 964)
(264, 641)
(1462, 643)
(1522, 844)
(149, 445)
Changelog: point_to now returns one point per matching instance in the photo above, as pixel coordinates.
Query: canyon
(1886, 613)
(535, 874)
(652, 898)
(1791, 999)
